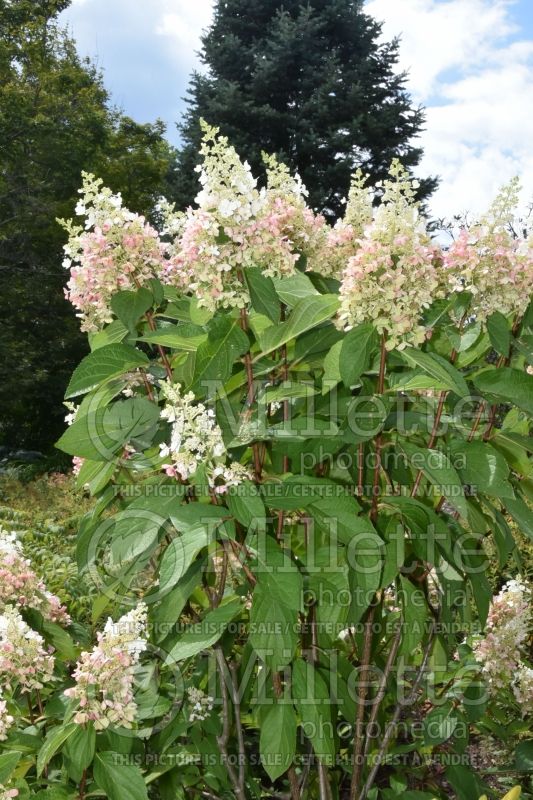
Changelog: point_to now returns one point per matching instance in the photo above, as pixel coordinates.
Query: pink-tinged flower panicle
(508, 626)
(237, 226)
(8, 794)
(21, 587)
(395, 273)
(342, 241)
(492, 262)
(25, 663)
(105, 675)
(116, 250)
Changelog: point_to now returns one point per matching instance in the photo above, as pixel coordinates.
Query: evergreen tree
(55, 121)
(310, 81)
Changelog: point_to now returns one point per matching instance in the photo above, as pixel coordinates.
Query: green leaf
(499, 333)
(437, 467)
(246, 504)
(439, 725)
(179, 337)
(205, 633)
(482, 467)
(524, 756)
(507, 385)
(437, 368)
(102, 365)
(464, 781)
(118, 780)
(79, 749)
(356, 351)
(521, 513)
(114, 332)
(296, 287)
(415, 616)
(215, 357)
(180, 554)
(263, 293)
(306, 314)
(130, 306)
(332, 368)
(276, 601)
(95, 475)
(55, 738)
(337, 516)
(277, 743)
(172, 604)
(8, 762)
(99, 435)
(311, 695)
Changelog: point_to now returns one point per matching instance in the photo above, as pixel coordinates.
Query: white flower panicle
(201, 704)
(24, 661)
(395, 273)
(6, 719)
(507, 629)
(105, 675)
(196, 439)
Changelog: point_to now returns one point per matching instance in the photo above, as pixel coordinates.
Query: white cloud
(475, 82)
(181, 22)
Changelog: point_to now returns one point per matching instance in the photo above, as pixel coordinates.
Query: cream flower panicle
(20, 586)
(6, 719)
(491, 261)
(105, 675)
(196, 439)
(395, 273)
(24, 661)
(507, 628)
(201, 704)
(116, 250)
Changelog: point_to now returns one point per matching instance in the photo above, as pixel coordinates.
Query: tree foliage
(310, 82)
(55, 120)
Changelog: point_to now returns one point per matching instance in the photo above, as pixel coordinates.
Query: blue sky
(470, 63)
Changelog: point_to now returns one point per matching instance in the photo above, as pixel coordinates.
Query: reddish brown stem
(359, 739)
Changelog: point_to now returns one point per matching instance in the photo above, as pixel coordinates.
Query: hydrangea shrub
(298, 438)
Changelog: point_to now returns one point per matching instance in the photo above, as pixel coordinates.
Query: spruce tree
(309, 81)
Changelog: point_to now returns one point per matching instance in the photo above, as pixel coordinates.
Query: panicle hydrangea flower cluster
(105, 675)
(235, 226)
(6, 793)
(342, 241)
(6, 719)
(201, 704)
(491, 261)
(20, 586)
(117, 250)
(195, 440)
(396, 271)
(499, 651)
(287, 213)
(24, 661)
